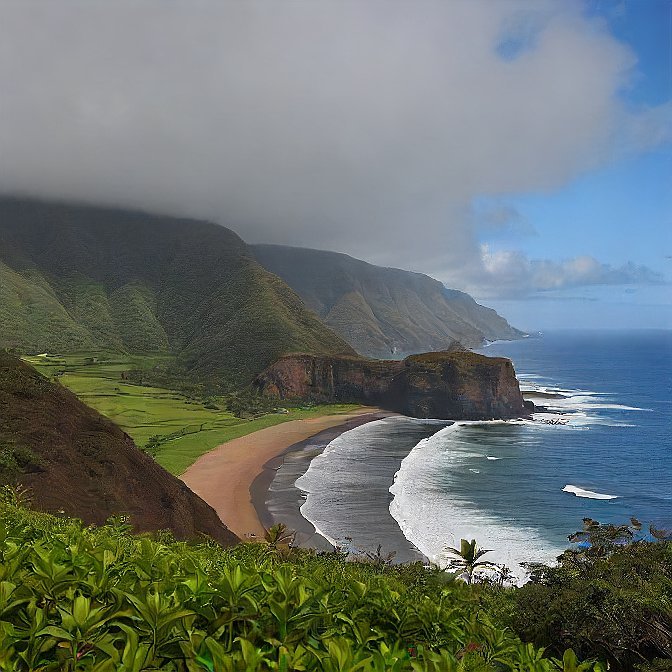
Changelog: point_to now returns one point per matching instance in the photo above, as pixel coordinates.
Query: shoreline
(306, 534)
(233, 478)
(345, 492)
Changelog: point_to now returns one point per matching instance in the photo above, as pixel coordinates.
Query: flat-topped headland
(453, 385)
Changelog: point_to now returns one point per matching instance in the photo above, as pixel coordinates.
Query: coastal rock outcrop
(459, 385)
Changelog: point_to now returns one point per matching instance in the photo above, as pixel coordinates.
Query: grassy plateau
(175, 427)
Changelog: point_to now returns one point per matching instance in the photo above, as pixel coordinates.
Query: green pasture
(186, 427)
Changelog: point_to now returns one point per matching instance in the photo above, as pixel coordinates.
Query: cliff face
(449, 385)
(75, 460)
(460, 385)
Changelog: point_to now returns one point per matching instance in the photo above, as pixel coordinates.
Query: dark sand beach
(310, 446)
(225, 477)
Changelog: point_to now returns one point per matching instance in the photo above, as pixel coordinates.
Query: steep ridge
(454, 385)
(75, 277)
(383, 312)
(76, 461)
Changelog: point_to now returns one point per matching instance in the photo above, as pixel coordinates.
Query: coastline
(306, 534)
(233, 478)
(341, 491)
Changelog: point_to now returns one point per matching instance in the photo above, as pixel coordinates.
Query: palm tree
(467, 558)
(279, 536)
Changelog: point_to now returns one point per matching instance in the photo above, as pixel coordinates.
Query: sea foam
(588, 494)
(434, 518)
(428, 513)
(346, 487)
(575, 409)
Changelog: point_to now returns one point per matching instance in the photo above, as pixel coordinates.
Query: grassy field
(185, 428)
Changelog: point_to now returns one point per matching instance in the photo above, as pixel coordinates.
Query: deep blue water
(505, 484)
(614, 450)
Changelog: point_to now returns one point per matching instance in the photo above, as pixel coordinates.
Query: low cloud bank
(508, 274)
(367, 127)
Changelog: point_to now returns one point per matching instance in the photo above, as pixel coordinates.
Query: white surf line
(431, 519)
(589, 494)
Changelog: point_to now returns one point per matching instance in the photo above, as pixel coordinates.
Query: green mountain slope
(383, 312)
(83, 278)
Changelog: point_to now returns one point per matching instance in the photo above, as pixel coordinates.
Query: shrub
(611, 598)
(85, 598)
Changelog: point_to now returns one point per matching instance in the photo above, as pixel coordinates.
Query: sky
(520, 150)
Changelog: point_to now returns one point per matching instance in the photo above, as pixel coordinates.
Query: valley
(335, 336)
(183, 426)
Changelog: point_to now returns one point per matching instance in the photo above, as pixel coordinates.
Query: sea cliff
(458, 385)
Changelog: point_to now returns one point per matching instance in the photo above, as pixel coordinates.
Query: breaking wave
(588, 494)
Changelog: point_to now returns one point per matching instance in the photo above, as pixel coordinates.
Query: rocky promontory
(456, 385)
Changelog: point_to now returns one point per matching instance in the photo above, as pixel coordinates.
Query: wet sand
(233, 477)
(304, 531)
(350, 499)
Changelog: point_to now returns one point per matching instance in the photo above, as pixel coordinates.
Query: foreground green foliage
(75, 598)
(176, 427)
(610, 598)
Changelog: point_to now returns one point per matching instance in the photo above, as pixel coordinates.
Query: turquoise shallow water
(512, 485)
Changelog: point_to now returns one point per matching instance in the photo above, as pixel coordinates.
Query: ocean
(601, 448)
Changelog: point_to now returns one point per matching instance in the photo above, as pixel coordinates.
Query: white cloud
(365, 126)
(511, 274)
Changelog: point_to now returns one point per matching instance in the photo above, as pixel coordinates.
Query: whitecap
(580, 492)
(433, 518)
(589, 401)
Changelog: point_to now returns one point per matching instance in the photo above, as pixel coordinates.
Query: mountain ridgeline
(75, 278)
(79, 278)
(385, 313)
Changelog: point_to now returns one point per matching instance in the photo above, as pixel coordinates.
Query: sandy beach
(224, 476)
